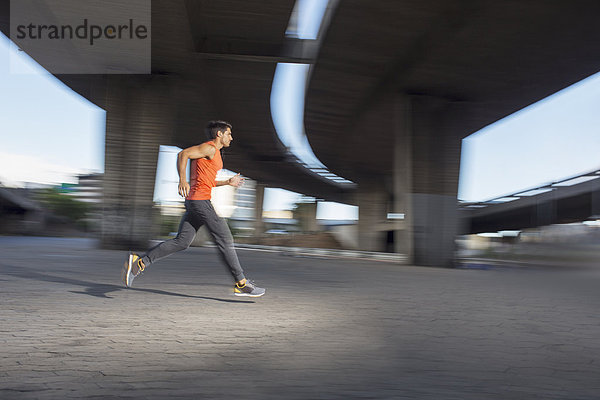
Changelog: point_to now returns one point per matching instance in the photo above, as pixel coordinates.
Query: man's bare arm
(191, 153)
(235, 181)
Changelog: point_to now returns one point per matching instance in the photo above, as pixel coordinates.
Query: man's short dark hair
(214, 126)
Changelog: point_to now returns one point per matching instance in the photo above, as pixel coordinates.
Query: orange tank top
(203, 176)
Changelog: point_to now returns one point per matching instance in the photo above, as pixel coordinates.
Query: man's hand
(236, 181)
(184, 188)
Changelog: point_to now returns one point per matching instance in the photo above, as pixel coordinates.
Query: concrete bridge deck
(327, 328)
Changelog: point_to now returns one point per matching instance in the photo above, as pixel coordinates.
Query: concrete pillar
(422, 185)
(436, 143)
(435, 226)
(309, 217)
(402, 176)
(306, 216)
(372, 211)
(138, 119)
(259, 223)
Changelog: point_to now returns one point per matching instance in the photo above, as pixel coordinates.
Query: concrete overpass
(569, 200)
(394, 87)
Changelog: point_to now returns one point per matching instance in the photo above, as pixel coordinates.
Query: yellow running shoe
(132, 268)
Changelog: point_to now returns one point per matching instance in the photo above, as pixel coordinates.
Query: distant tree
(62, 204)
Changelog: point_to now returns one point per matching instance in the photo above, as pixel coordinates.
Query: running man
(206, 161)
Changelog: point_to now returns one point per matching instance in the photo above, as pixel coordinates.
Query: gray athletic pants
(198, 213)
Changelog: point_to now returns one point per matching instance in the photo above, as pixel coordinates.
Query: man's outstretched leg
(224, 241)
(136, 264)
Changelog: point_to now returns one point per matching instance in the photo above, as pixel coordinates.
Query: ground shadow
(94, 288)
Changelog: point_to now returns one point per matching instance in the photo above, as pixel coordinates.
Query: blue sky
(307, 15)
(47, 130)
(48, 133)
(556, 138)
(287, 107)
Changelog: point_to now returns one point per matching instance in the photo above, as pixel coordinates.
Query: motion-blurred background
(436, 130)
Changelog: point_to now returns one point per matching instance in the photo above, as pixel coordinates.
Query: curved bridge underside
(485, 59)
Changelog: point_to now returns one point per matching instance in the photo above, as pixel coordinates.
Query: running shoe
(132, 268)
(248, 289)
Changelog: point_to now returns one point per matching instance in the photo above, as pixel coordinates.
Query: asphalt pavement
(327, 328)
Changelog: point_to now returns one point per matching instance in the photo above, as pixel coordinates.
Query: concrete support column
(138, 118)
(259, 223)
(402, 176)
(435, 228)
(372, 210)
(422, 183)
(309, 218)
(436, 144)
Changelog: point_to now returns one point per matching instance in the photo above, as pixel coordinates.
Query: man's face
(226, 137)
